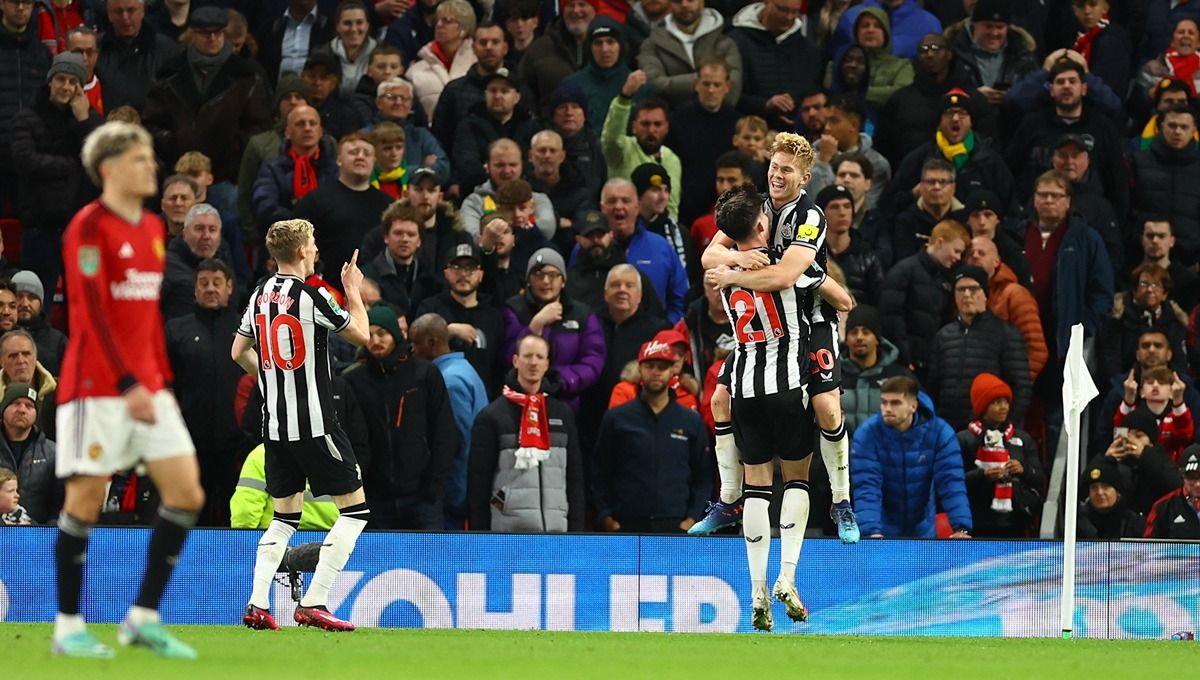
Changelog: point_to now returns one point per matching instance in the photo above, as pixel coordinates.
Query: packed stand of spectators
(530, 184)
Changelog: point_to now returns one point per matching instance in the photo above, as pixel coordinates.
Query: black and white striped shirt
(772, 335)
(290, 323)
(802, 223)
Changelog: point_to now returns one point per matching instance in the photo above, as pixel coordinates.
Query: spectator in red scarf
(1180, 60)
(308, 160)
(1004, 474)
(1105, 46)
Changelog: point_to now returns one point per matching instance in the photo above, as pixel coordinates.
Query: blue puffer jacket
(897, 476)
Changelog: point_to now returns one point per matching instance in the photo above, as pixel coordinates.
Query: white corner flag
(1078, 392)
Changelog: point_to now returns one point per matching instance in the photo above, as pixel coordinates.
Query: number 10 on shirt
(270, 351)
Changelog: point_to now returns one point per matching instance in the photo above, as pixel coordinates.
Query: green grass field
(230, 653)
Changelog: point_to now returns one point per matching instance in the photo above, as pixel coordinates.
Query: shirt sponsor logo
(138, 285)
(808, 231)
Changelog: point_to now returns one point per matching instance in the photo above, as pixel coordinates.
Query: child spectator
(390, 176)
(11, 512)
(1161, 393)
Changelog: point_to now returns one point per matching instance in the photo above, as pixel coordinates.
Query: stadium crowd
(992, 172)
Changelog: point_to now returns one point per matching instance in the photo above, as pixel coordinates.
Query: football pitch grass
(228, 652)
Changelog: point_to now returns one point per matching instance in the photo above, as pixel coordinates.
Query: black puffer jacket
(128, 68)
(1147, 478)
(46, 141)
(23, 64)
(410, 427)
(218, 122)
(1164, 182)
(1112, 525)
(770, 66)
(961, 352)
(475, 133)
(41, 492)
(864, 272)
(915, 303)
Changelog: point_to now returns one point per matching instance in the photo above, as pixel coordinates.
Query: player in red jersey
(114, 410)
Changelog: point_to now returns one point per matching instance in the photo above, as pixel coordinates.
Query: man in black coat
(211, 100)
(476, 326)
(24, 61)
(272, 35)
(462, 94)
(404, 280)
(1106, 514)
(779, 64)
(561, 182)
(499, 115)
(1164, 179)
(915, 301)
(410, 426)
(976, 342)
(31, 300)
(199, 240)
(206, 381)
(46, 140)
(131, 55)
(859, 262)
(700, 131)
(594, 256)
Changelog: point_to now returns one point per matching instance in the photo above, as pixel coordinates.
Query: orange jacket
(1011, 301)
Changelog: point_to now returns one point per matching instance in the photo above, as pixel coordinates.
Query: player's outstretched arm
(796, 260)
(358, 331)
(834, 294)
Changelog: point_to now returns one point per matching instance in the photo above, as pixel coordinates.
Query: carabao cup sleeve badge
(89, 260)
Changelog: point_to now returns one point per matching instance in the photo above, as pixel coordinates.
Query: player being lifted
(115, 410)
(289, 322)
(794, 219)
(768, 372)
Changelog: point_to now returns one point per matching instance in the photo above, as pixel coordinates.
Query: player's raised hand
(352, 276)
(140, 402)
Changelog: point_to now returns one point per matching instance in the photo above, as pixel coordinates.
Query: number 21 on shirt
(743, 303)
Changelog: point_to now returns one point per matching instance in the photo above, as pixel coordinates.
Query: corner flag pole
(1078, 391)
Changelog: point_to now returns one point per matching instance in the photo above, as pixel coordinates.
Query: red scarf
(1183, 67)
(304, 177)
(446, 59)
(1083, 41)
(534, 438)
(993, 454)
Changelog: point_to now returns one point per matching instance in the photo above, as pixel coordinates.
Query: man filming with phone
(1146, 468)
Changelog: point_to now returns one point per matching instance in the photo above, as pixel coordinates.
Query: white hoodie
(710, 21)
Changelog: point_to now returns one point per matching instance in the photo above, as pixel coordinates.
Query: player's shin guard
(756, 529)
(835, 451)
(793, 519)
(335, 552)
(171, 528)
(271, 548)
(70, 552)
(729, 465)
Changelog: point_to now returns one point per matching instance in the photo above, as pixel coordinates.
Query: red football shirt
(113, 272)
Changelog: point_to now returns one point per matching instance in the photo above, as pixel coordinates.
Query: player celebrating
(794, 218)
(114, 410)
(289, 321)
(767, 375)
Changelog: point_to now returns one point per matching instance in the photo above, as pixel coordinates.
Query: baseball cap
(425, 173)
(1191, 459)
(656, 350)
(320, 59)
(1085, 142)
(501, 73)
(462, 250)
(982, 199)
(590, 221)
